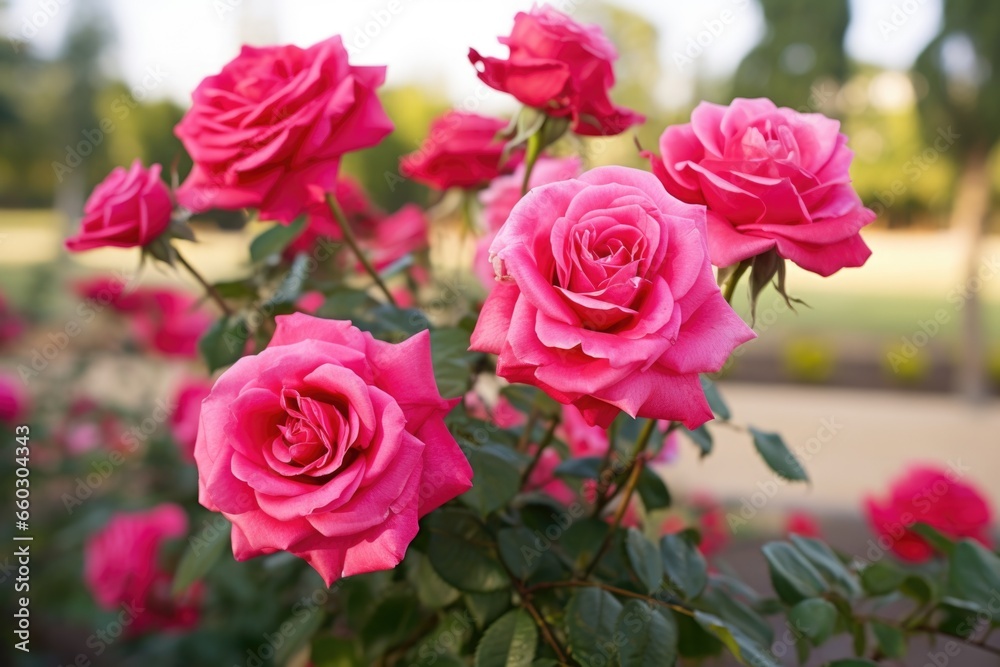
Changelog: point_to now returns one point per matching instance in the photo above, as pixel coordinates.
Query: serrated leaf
(487, 607)
(644, 559)
(518, 551)
(460, 552)
(684, 565)
(794, 578)
(815, 618)
(777, 456)
(432, 591)
(510, 642)
(496, 479)
(652, 490)
(648, 638)
(201, 554)
(591, 617)
(274, 240)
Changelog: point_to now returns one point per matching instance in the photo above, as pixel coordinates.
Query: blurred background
(898, 361)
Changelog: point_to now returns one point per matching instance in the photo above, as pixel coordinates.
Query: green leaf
(453, 362)
(302, 631)
(586, 467)
(974, 573)
(582, 539)
(648, 639)
(591, 618)
(738, 615)
(652, 490)
(891, 641)
(644, 559)
(719, 407)
(742, 647)
(778, 457)
(201, 554)
(460, 551)
(274, 240)
(815, 618)
(702, 438)
(392, 621)
(495, 479)
(882, 578)
(920, 587)
(830, 566)
(684, 565)
(519, 551)
(794, 578)
(432, 591)
(510, 642)
(487, 607)
(345, 303)
(223, 343)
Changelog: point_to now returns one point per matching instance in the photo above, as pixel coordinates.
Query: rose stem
(209, 289)
(546, 441)
(352, 241)
(733, 280)
(638, 461)
(534, 150)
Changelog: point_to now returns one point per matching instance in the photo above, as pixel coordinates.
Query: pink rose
(328, 444)
(13, 401)
(88, 426)
(276, 121)
(561, 67)
(927, 494)
(802, 523)
(544, 480)
(462, 150)
(583, 439)
(607, 299)
(504, 192)
(170, 322)
(391, 238)
(771, 178)
(121, 567)
(128, 209)
(116, 292)
(187, 411)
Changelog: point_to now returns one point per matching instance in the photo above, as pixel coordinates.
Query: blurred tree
(803, 45)
(961, 114)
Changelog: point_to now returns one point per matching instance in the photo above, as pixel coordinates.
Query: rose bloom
(544, 480)
(562, 67)
(607, 300)
(462, 150)
(274, 122)
(187, 411)
(771, 178)
(328, 444)
(802, 523)
(927, 494)
(128, 209)
(121, 568)
(170, 322)
(500, 198)
(116, 292)
(87, 426)
(13, 401)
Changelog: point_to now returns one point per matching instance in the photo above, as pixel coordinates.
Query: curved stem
(209, 289)
(734, 280)
(352, 242)
(640, 445)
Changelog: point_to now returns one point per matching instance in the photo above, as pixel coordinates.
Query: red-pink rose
(391, 238)
(128, 209)
(121, 567)
(927, 494)
(462, 150)
(561, 67)
(328, 444)
(187, 411)
(499, 200)
(118, 292)
(276, 121)
(802, 523)
(607, 300)
(170, 322)
(13, 401)
(771, 178)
